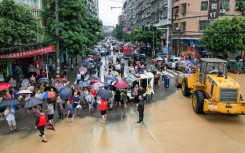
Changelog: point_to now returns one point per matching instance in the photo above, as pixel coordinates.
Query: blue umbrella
(25, 82)
(65, 93)
(8, 102)
(94, 77)
(83, 84)
(110, 86)
(42, 80)
(112, 79)
(32, 102)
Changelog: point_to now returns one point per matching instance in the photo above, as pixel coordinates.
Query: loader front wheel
(198, 101)
(185, 89)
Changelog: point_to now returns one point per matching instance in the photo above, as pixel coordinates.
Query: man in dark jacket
(140, 106)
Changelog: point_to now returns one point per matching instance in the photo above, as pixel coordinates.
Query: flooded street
(170, 126)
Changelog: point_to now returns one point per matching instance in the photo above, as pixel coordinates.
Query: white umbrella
(97, 85)
(24, 92)
(159, 59)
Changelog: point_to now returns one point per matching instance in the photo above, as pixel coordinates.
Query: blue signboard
(165, 50)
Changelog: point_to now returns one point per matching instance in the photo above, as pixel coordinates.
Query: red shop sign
(29, 53)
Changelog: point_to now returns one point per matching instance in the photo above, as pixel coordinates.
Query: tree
(118, 32)
(144, 35)
(77, 28)
(225, 36)
(17, 25)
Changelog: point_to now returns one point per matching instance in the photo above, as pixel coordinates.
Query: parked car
(120, 55)
(138, 55)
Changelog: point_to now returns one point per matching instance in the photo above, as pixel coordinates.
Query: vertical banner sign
(213, 10)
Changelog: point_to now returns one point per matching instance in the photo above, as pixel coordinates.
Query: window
(175, 25)
(240, 5)
(204, 5)
(224, 4)
(183, 8)
(202, 25)
(182, 26)
(176, 11)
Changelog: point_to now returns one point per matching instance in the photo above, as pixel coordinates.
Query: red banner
(29, 53)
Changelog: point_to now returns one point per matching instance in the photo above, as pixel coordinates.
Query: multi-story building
(190, 19)
(146, 12)
(93, 7)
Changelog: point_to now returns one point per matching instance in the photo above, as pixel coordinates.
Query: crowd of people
(83, 94)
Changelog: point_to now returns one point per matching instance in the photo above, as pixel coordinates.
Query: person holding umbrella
(103, 108)
(41, 122)
(9, 114)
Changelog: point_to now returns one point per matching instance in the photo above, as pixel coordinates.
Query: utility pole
(57, 39)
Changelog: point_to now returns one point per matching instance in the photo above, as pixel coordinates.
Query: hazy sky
(108, 16)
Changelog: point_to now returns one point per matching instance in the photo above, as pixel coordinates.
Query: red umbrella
(94, 81)
(4, 86)
(93, 92)
(121, 84)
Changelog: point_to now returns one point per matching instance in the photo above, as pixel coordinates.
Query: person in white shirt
(9, 113)
(79, 77)
(173, 66)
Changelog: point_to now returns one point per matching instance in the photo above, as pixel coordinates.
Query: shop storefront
(34, 60)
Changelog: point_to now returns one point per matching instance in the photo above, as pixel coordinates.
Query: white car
(120, 55)
(176, 60)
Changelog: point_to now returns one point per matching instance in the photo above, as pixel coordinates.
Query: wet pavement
(170, 125)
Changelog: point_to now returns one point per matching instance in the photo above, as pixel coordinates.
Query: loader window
(215, 68)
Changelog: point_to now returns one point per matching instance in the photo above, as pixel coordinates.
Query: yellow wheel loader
(212, 91)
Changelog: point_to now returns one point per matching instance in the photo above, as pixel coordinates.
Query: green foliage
(77, 28)
(17, 25)
(145, 36)
(118, 32)
(225, 36)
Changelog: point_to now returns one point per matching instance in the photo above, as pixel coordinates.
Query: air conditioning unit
(222, 11)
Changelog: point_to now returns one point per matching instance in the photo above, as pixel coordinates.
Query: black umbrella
(28, 75)
(8, 102)
(48, 88)
(65, 93)
(105, 94)
(32, 102)
(42, 80)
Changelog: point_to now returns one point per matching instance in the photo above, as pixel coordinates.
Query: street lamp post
(57, 39)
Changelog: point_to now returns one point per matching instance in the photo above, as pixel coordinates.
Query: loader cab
(210, 66)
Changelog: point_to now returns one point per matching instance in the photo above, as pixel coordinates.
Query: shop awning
(29, 53)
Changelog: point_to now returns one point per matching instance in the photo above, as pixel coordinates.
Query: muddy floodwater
(170, 126)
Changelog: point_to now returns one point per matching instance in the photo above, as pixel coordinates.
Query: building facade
(190, 19)
(149, 12)
(93, 7)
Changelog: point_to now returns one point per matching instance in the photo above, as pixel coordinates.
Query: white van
(144, 80)
(176, 60)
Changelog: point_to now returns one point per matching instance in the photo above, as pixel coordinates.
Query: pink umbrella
(89, 59)
(84, 69)
(62, 79)
(121, 84)
(24, 92)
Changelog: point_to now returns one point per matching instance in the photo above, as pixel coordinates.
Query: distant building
(93, 7)
(108, 29)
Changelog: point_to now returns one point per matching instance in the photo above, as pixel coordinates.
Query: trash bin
(166, 81)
